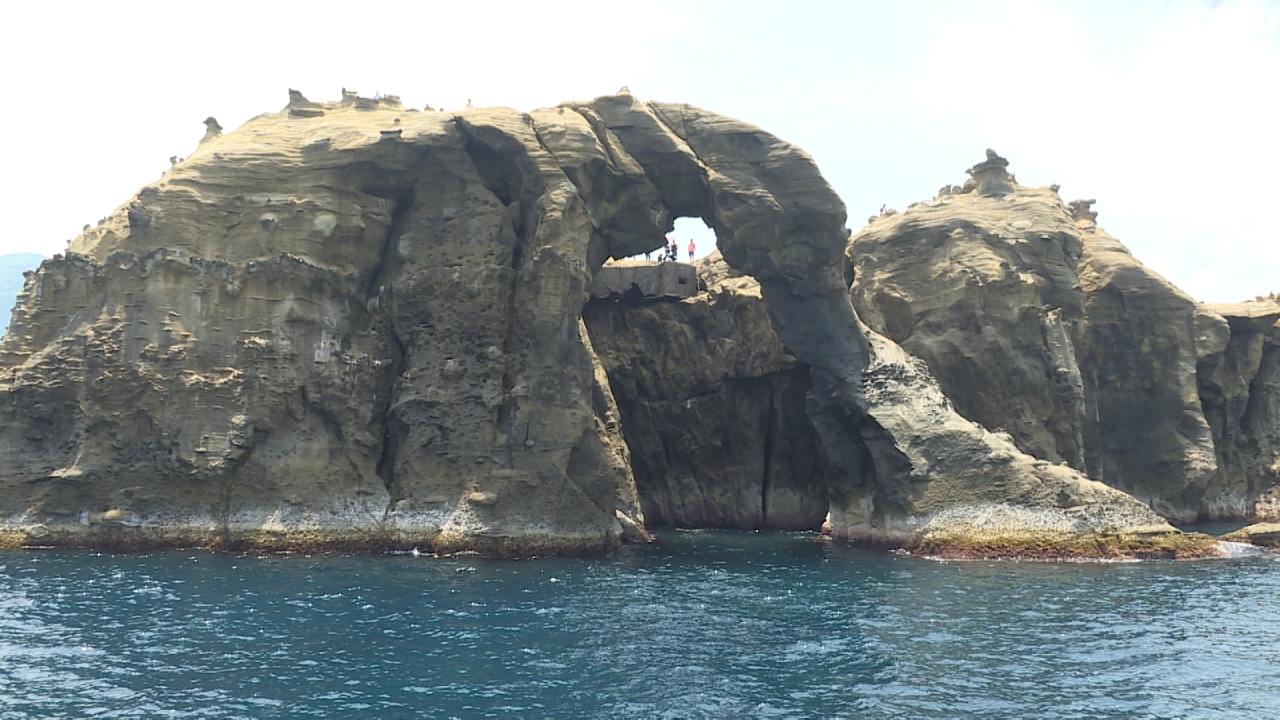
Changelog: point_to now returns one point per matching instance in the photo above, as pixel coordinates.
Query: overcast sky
(1164, 111)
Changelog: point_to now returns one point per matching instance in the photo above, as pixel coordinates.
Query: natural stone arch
(774, 218)
(449, 357)
(902, 455)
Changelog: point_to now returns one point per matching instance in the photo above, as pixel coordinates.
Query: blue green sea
(699, 625)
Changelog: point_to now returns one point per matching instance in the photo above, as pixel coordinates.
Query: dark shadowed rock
(1143, 339)
(713, 408)
(1240, 392)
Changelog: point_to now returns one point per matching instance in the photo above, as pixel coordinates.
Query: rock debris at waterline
(352, 325)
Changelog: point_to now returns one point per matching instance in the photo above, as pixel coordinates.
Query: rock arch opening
(712, 407)
(693, 230)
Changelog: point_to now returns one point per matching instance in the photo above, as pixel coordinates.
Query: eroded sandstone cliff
(983, 288)
(712, 407)
(1038, 323)
(1240, 391)
(698, 380)
(344, 324)
(351, 324)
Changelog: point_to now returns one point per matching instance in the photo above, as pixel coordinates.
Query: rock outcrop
(712, 406)
(12, 274)
(1038, 323)
(355, 325)
(1262, 534)
(1143, 340)
(712, 410)
(343, 325)
(984, 289)
(640, 280)
(1240, 392)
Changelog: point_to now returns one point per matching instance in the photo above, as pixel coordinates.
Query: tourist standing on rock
(691, 248)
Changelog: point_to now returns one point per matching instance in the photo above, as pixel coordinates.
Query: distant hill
(11, 269)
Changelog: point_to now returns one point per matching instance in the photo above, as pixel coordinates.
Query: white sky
(1166, 112)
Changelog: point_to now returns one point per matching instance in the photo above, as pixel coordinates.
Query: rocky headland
(353, 325)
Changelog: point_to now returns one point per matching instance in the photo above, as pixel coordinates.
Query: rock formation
(709, 402)
(1143, 340)
(984, 290)
(1038, 323)
(355, 325)
(1240, 392)
(712, 406)
(13, 268)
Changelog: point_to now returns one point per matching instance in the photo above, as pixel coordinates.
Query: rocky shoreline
(354, 326)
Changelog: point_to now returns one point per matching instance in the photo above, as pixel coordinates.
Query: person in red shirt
(691, 248)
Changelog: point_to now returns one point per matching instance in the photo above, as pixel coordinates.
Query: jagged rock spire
(991, 176)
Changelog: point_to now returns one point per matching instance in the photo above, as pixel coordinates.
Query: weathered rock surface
(712, 407)
(698, 382)
(1038, 323)
(345, 324)
(939, 481)
(1143, 340)
(12, 269)
(984, 289)
(640, 280)
(1240, 391)
(354, 325)
(1262, 534)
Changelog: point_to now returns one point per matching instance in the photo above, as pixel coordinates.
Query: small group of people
(671, 251)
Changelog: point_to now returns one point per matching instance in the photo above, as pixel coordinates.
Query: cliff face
(714, 414)
(1038, 323)
(353, 325)
(1143, 341)
(1240, 391)
(983, 288)
(712, 407)
(344, 324)
(12, 269)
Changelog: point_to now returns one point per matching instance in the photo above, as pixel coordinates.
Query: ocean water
(701, 625)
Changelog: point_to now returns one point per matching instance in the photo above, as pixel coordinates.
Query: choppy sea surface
(701, 625)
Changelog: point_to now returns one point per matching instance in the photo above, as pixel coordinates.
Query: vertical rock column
(1240, 393)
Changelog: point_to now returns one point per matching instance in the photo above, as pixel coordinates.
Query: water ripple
(704, 625)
